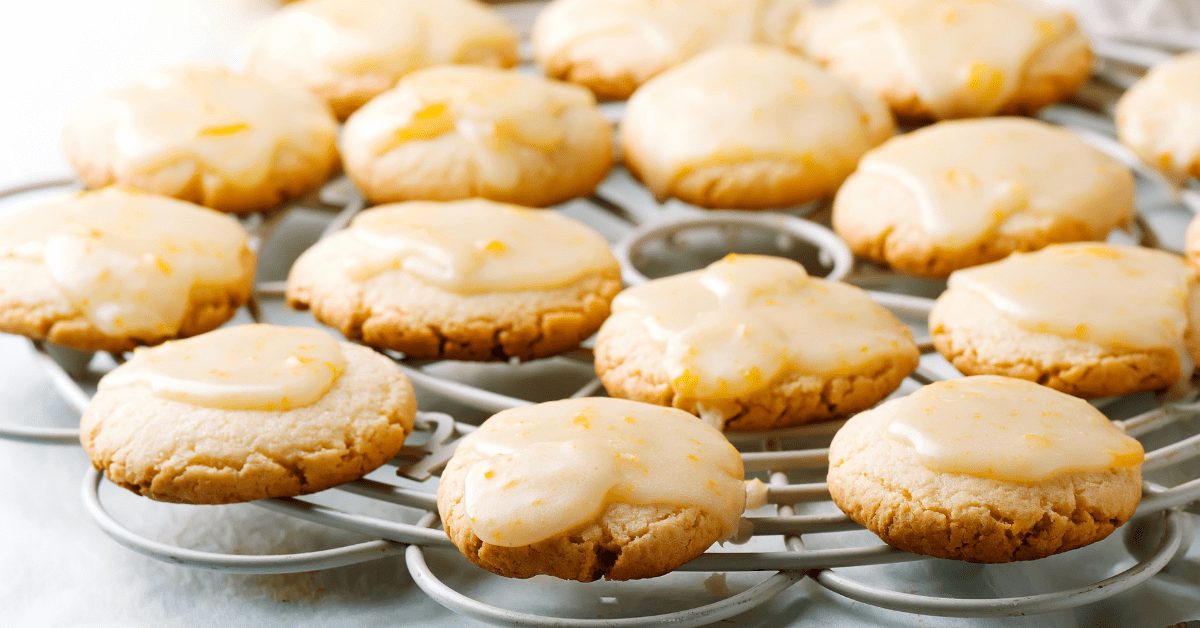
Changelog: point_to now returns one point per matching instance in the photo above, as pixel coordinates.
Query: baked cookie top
(1115, 296)
(472, 246)
(128, 262)
(348, 51)
(613, 46)
(1007, 429)
(453, 132)
(203, 134)
(540, 471)
(1159, 117)
(951, 58)
(247, 412)
(739, 105)
(975, 180)
(737, 326)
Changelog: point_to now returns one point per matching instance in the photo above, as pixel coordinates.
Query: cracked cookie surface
(880, 483)
(175, 451)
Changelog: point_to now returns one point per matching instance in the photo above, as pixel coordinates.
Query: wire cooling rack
(791, 462)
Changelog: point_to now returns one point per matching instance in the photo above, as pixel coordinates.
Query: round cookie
(1087, 319)
(749, 127)
(985, 469)
(464, 280)
(349, 51)
(113, 269)
(198, 133)
(247, 412)
(587, 488)
(1159, 117)
(753, 343)
(613, 46)
(940, 59)
(456, 132)
(963, 193)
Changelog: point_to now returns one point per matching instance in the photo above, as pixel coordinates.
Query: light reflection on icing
(971, 177)
(1123, 297)
(539, 471)
(963, 57)
(1007, 429)
(477, 246)
(244, 367)
(735, 326)
(227, 124)
(128, 260)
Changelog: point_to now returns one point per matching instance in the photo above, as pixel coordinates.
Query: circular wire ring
(824, 239)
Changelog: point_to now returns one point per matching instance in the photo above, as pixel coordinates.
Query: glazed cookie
(986, 469)
(582, 489)
(613, 46)
(465, 280)
(1192, 243)
(113, 269)
(752, 343)
(1159, 117)
(939, 59)
(1090, 319)
(198, 133)
(457, 132)
(349, 51)
(749, 127)
(247, 412)
(959, 194)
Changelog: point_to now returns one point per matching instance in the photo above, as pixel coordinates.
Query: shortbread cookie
(349, 51)
(113, 269)
(939, 59)
(588, 488)
(1159, 117)
(959, 194)
(986, 469)
(465, 280)
(1088, 319)
(455, 132)
(613, 46)
(198, 133)
(752, 343)
(247, 412)
(749, 127)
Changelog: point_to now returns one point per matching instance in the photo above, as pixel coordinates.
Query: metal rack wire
(768, 454)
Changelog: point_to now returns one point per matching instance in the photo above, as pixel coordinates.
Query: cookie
(749, 127)
(456, 132)
(349, 51)
(1159, 117)
(464, 280)
(985, 469)
(1087, 319)
(1191, 243)
(940, 59)
(584, 489)
(753, 343)
(613, 46)
(113, 269)
(198, 133)
(963, 193)
(247, 412)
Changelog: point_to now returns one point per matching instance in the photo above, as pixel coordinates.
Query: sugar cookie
(749, 127)
(464, 280)
(963, 193)
(986, 469)
(582, 489)
(1159, 117)
(247, 412)
(751, 343)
